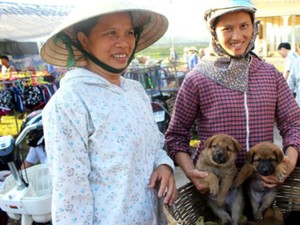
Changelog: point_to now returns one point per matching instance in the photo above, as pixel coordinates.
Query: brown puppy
(218, 158)
(272, 216)
(263, 159)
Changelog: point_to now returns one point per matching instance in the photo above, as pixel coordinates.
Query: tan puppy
(218, 158)
(263, 159)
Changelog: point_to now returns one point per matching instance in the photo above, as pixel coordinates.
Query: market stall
(25, 91)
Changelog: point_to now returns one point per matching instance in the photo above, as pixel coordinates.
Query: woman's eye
(245, 26)
(130, 33)
(111, 33)
(226, 29)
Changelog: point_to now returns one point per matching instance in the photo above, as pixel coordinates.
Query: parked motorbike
(161, 113)
(156, 80)
(25, 194)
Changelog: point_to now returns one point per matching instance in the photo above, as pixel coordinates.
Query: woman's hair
(218, 18)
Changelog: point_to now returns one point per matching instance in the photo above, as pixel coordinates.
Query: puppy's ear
(250, 155)
(237, 145)
(279, 154)
(209, 141)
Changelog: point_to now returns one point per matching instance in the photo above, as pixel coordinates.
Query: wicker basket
(288, 195)
(191, 204)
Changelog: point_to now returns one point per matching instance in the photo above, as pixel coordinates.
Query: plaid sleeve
(287, 115)
(185, 112)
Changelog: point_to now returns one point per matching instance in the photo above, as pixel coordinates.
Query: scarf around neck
(230, 72)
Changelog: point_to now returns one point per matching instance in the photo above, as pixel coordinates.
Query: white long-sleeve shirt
(292, 66)
(36, 154)
(102, 144)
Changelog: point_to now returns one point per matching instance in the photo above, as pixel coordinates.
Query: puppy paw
(214, 190)
(226, 222)
(281, 176)
(281, 171)
(236, 183)
(220, 200)
(258, 216)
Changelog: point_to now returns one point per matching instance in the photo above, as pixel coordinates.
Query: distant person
(173, 57)
(186, 57)
(35, 155)
(35, 140)
(201, 53)
(291, 68)
(193, 57)
(6, 66)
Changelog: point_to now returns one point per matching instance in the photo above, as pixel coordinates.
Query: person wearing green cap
(105, 152)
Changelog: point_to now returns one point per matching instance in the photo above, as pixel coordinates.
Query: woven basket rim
(191, 203)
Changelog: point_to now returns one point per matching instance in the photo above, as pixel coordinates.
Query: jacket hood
(83, 76)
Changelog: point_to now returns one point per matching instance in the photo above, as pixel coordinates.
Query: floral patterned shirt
(102, 144)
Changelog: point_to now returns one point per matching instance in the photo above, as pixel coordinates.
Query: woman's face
(234, 31)
(111, 40)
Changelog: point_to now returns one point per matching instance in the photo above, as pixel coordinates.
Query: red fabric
(3, 218)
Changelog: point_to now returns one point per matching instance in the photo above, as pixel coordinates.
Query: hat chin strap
(71, 60)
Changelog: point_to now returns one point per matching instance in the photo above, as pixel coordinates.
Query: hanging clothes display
(21, 94)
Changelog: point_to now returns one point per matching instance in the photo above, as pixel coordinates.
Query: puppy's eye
(260, 160)
(228, 149)
(214, 145)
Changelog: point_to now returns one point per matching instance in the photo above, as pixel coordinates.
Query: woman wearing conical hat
(104, 148)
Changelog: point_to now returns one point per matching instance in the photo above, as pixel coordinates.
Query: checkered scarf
(226, 70)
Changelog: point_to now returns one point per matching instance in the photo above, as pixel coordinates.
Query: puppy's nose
(219, 156)
(219, 152)
(265, 168)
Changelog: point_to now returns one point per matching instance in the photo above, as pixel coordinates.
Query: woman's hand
(164, 175)
(194, 175)
(290, 159)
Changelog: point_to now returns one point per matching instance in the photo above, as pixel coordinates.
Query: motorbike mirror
(7, 149)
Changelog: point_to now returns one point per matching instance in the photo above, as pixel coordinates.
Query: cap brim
(211, 15)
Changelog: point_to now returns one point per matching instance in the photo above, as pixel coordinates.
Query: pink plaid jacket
(249, 117)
